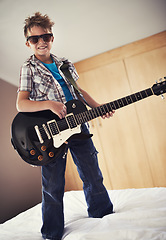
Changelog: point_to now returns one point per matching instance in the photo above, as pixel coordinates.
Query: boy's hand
(108, 115)
(58, 108)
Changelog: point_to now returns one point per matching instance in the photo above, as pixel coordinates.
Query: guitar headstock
(160, 87)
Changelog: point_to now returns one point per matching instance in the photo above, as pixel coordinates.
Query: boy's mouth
(42, 47)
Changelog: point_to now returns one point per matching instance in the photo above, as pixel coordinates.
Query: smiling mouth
(42, 47)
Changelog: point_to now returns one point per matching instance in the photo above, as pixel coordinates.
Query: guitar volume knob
(43, 148)
(32, 152)
(51, 154)
(40, 157)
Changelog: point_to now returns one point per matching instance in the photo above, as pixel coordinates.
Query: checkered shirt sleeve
(25, 83)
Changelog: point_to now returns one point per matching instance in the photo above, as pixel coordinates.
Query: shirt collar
(58, 61)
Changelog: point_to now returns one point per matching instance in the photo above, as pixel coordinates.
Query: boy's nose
(40, 40)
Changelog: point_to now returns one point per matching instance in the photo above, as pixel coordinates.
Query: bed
(139, 214)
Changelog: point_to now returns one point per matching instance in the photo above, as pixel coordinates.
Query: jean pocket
(93, 158)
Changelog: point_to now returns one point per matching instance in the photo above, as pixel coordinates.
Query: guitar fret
(129, 100)
(144, 94)
(93, 110)
(120, 102)
(84, 117)
(79, 119)
(138, 96)
(97, 111)
(134, 98)
(88, 115)
(92, 113)
(117, 101)
(107, 108)
(112, 106)
(124, 101)
(116, 104)
(102, 110)
(141, 95)
(149, 92)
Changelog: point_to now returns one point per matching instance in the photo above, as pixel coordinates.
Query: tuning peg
(164, 77)
(160, 79)
(162, 97)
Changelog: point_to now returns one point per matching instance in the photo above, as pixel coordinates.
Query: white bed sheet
(140, 214)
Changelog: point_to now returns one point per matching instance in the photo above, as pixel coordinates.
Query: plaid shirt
(38, 80)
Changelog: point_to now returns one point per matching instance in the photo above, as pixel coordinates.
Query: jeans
(53, 181)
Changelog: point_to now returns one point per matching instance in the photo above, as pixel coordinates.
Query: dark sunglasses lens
(33, 39)
(47, 37)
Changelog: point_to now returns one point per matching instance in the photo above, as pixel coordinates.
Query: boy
(43, 86)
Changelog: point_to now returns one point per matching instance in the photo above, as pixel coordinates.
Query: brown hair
(37, 20)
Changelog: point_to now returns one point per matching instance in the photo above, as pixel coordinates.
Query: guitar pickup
(71, 121)
(53, 127)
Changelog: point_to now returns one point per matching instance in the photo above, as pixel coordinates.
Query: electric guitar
(40, 137)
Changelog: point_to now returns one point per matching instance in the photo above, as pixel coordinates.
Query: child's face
(41, 49)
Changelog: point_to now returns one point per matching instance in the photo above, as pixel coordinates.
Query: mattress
(140, 214)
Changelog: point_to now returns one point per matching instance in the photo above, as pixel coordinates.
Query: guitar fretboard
(106, 108)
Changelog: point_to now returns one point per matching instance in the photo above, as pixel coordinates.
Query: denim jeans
(53, 181)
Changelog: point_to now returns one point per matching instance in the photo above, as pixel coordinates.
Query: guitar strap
(65, 69)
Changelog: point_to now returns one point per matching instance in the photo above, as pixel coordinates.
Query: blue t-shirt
(52, 67)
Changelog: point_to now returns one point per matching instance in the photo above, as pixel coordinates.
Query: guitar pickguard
(62, 137)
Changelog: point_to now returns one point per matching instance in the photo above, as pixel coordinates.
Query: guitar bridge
(39, 134)
(46, 131)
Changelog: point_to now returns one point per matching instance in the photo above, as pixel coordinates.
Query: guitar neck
(93, 113)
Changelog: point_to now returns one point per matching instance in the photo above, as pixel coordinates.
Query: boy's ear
(27, 44)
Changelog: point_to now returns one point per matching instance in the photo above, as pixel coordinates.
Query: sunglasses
(34, 39)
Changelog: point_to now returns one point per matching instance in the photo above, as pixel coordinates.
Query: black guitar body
(26, 141)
